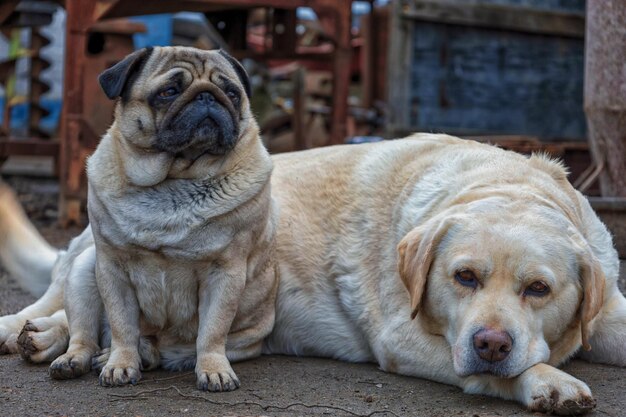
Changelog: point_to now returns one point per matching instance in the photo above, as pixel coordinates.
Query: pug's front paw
(215, 374)
(122, 368)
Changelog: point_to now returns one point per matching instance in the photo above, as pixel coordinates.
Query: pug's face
(183, 101)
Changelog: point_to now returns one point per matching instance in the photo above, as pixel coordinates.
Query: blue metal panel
(555, 5)
(497, 82)
(158, 30)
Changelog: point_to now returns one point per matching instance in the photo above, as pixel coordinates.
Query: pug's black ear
(240, 70)
(117, 79)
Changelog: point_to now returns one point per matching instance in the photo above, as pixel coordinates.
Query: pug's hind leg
(84, 310)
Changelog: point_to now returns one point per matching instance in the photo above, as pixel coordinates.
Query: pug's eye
(466, 278)
(537, 289)
(168, 92)
(234, 97)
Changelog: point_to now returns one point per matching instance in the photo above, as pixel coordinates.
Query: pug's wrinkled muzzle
(202, 125)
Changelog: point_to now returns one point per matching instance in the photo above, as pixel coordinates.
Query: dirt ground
(271, 385)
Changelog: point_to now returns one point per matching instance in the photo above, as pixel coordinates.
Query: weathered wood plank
(475, 80)
(495, 16)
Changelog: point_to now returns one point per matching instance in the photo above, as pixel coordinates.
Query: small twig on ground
(255, 395)
(166, 378)
(604, 412)
(226, 403)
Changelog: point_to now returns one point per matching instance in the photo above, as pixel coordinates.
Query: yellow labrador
(438, 258)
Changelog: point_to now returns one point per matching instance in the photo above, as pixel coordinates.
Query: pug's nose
(492, 345)
(205, 97)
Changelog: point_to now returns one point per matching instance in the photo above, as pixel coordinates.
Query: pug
(183, 223)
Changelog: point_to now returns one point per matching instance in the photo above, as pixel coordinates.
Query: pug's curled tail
(178, 357)
(24, 253)
(183, 357)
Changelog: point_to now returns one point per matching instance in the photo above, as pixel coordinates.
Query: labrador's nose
(492, 345)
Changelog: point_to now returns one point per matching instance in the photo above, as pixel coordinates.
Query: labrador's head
(507, 284)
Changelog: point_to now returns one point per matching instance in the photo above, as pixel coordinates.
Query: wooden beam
(398, 60)
(341, 71)
(6, 8)
(7, 68)
(515, 18)
(368, 57)
(37, 147)
(302, 138)
(118, 27)
(608, 203)
(283, 28)
(72, 152)
(117, 8)
(283, 55)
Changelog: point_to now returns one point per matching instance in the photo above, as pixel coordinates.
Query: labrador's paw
(549, 390)
(214, 373)
(10, 327)
(8, 342)
(42, 340)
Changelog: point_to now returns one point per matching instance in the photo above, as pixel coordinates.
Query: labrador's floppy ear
(416, 253)
(115, 80)
(240, 70)
(593, 282)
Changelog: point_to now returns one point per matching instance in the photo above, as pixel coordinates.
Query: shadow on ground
(275, 386)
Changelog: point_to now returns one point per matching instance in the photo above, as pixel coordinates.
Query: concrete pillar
(605, 91)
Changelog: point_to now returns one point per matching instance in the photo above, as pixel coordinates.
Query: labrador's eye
(466, 278)
(537, 289)
(168, 92)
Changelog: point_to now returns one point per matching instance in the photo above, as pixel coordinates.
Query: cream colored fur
(182, 240)
(370, 235)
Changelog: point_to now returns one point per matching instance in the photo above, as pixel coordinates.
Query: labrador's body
(508, 270)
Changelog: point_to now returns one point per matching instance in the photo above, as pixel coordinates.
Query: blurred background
(526, 75)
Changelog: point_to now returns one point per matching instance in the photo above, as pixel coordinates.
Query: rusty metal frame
(75, 145)
(36, 143)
